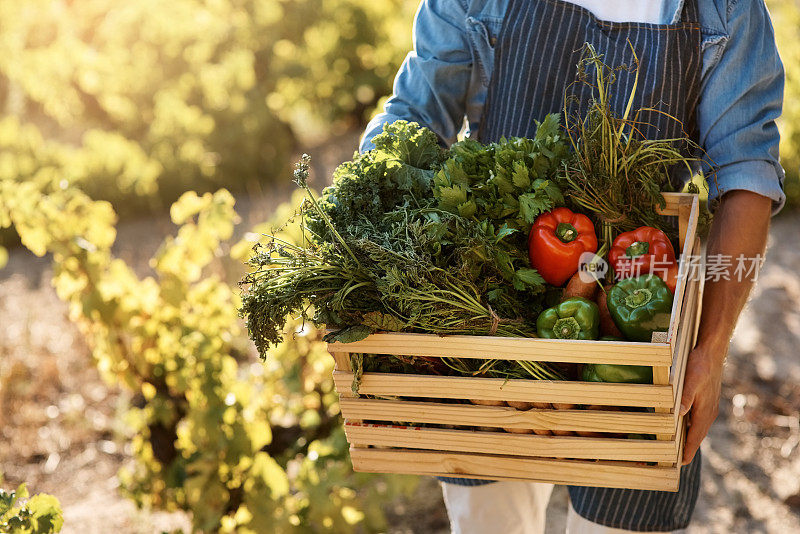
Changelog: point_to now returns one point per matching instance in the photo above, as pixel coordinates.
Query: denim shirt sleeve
(742, 96)
(432, 84)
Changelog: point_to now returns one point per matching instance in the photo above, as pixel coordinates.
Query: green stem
(567, 328)
(637, 248)
(638, 298)
(566, 232)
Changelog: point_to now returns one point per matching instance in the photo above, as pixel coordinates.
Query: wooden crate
(468, 440)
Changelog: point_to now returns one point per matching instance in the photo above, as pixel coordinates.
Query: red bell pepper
(643, 251)
(556, 242)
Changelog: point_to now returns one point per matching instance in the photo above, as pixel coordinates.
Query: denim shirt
(445, 80)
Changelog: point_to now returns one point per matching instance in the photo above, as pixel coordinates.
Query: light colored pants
(509, 508)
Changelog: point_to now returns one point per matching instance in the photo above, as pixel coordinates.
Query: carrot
(607, 326)
(578, 288)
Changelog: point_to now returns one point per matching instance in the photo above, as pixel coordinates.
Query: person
(495, 67)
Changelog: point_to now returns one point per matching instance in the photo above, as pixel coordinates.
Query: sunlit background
(127, 387)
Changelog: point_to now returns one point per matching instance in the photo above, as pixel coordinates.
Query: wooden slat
(673, 200)
(439, 439)
(661, 377)
(454, 387)
(342, 360)
(688, 246)
(508, 348)
(495, 467)
(684, 341)
(679, 368)
(681, 441)
(505, 417)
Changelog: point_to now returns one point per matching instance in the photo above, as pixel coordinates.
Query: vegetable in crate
(507, 183)
(627, 374)
(640, 306)
(381, 251)
(577, 287)
(616, 175)
(504, 186)
(607, 326)
(557, 240)
(642, 251)
(575, 318)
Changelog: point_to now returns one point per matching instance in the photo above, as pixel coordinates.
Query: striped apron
(537, 51)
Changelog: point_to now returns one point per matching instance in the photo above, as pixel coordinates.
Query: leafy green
(416, 238)
(503, 186)
(351, 334)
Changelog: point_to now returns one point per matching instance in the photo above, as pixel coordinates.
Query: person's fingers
(702, 417)
(693, 440)
(691, 384)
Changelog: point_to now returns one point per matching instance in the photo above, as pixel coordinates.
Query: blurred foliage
(242, 446)
(138, 102)
(786, 19)
(22, 514)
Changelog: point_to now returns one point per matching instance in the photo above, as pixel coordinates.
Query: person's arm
(740, 227)
(432, 84)
(742, 97)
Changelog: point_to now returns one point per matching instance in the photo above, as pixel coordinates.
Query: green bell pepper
(575, 318)
(640, 306)
(627, 374)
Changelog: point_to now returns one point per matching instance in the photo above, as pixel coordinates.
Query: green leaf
(504, 231)
(550, 127)
(383, 322)
(526, 278)
(533, 204)
(496, 294)
(502, 184)
(350, 334)
(504, 263)
(551, 189)
(520, 175)
(455, 173)
(46, 514)
(410, 143)
(7, 500)
(268, 470)
(451, 197)
(467, 209)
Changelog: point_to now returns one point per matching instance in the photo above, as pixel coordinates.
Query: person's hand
(701, 392)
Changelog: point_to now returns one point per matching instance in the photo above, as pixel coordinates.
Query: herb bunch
(616, 175)
(383, 250)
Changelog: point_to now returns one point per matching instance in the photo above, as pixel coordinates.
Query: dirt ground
(60, 429)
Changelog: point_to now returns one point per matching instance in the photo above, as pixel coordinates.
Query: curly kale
(397, 174)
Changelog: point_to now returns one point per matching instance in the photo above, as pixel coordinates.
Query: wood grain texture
(497, 467)
(689, 212)
(342, 361)
(440, 439)
(687, 332)
(453, 387)
(674, 201)
(505, 417)
(511, 348)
